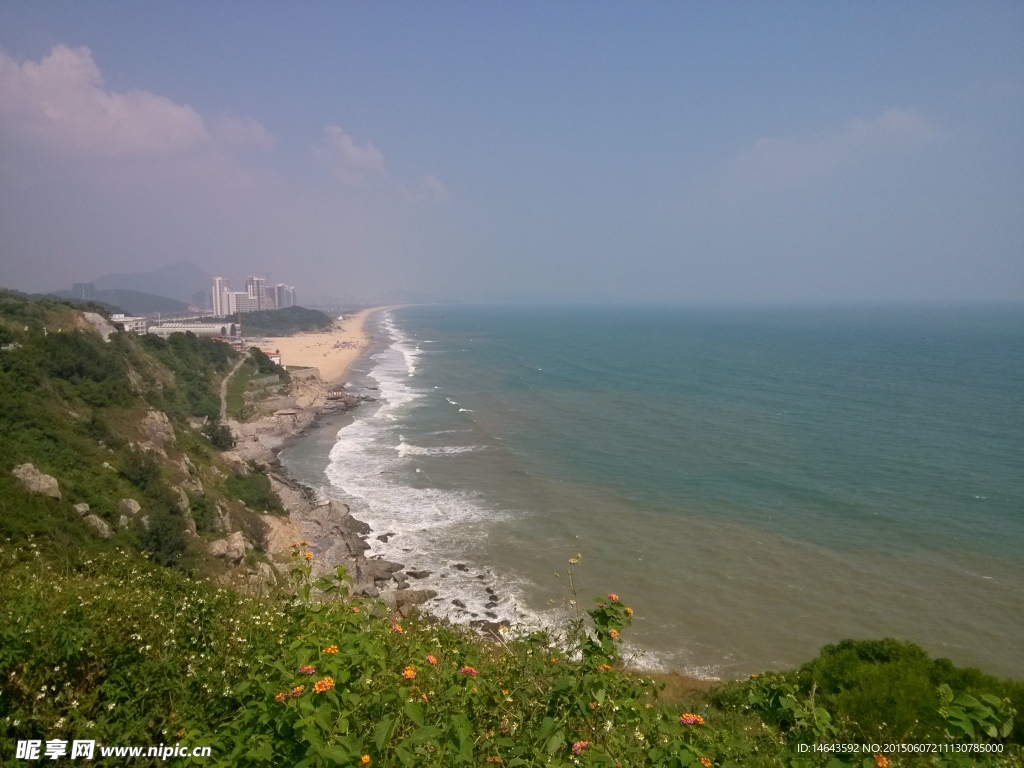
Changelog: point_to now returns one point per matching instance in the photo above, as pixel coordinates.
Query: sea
(756, 483)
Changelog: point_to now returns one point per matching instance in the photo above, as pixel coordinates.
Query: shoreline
(331, 351)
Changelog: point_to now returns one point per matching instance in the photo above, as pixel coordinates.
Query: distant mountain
(132, 302)
(179, 281)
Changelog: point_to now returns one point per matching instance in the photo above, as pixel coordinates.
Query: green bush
(254, 491)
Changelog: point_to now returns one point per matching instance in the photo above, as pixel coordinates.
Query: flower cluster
(409, 673)
(469, 671)
(331, 649)
(579, 746)
(397, 628)
(431, 660)
(689, 718)
(307, 669)
(293, 693)
(323, 685)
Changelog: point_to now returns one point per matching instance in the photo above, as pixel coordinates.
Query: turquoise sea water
(755, 483)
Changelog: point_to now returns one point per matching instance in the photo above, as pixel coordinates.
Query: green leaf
(337, 755)
(555, 743)
(414, 712)
(383, 732)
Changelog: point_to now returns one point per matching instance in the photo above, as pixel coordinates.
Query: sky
(699, 152)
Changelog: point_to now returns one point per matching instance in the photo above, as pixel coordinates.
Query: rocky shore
(328, 528)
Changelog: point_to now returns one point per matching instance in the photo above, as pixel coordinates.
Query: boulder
(102, 529)
(36, 481)
(82, 509)
(376, 570)
(231, 549)
(158, 430)
(405, 602)
(182, 498)
(123, 521)
(281, 533)
(194, 486)
(128, 507)
(235, 462)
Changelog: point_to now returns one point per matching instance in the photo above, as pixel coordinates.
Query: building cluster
(258, 294)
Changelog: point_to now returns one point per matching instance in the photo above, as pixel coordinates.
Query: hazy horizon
(755, 155)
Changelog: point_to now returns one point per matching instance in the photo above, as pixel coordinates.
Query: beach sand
(332, 351)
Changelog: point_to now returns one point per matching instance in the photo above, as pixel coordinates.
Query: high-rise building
(285, 295)
(220, 291)
(259, 294)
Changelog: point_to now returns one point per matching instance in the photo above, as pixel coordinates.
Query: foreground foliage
(116, 649)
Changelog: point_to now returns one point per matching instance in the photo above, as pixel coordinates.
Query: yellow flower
(308, 555)
(706, 762)
(364, 760)
(614, 633)
(409, 673)
(629, 611)
(331, 649)
(323, 685)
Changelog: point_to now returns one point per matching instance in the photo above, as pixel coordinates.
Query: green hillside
(282, 322)
(132, 638)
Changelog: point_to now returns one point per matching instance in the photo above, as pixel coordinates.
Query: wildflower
(331, 649)
(608, 725)
(579, 746)
(431, 660)
(614, 633)
(613, 597)
(689, 718)
(308, 555)
(754, 677)
(604, 667)
(592, 705)
(409, 673)
(279, 697)
(354, 609)
(396, 627)
(304, 543)
(629, 611)
(298, 689)
(307, 669)
(364, 760)
(881, 761)
(323, 685)
(469, 671)
(706, 762)
(423, 697)
(493, 759)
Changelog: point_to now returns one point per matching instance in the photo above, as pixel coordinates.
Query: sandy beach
(332, 351)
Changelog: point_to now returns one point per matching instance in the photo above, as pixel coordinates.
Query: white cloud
(349, 162)
(242, 132)
(773, 162)
(60, 101)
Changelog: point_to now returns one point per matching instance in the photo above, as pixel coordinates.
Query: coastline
(331, 351)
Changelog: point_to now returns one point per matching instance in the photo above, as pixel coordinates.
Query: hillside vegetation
(135, 640)
(282, 322)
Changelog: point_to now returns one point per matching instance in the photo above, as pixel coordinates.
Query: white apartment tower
(221, 290)
(285, 295)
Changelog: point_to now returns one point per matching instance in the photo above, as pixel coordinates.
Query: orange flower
(307, 669)
(579, 746)
(706, 762)
(604, 667)
(364, 760)
(323, 685)
(592, 705)
(493, 759)
(613, 597)
(280, 696)
(469, 671)
(614, 633)
(297, 690)
(689, 718)
(629, 611)
(409, 673)
(431, 660)
(396, 627)
(304, 543)
(354, 609)
(881, 761)
(331, 649)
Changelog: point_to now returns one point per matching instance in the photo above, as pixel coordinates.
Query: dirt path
(224, 387)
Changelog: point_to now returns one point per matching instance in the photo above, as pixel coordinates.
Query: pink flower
(688, 718)
(613, 597)
(469, 671)
(431, 660)
(579, 746)
(307, 670)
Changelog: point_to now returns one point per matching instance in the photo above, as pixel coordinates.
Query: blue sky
(696, 152)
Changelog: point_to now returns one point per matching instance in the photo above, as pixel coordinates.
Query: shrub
(254, 491)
